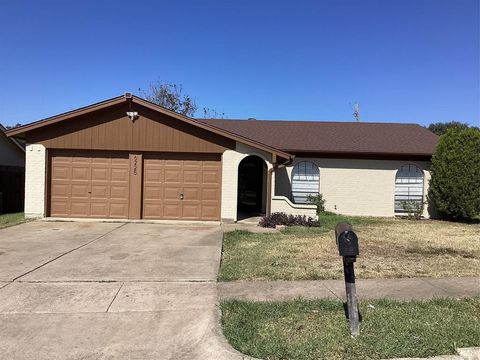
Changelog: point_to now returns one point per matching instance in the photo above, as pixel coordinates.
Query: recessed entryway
(252, 187)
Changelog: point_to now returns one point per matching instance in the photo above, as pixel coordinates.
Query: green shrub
(280, 218)
(455, 181)
(317, 200)
(413, 209)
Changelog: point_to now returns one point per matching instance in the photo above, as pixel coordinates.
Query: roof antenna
(356, 111)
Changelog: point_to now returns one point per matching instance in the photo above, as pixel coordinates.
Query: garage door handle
(181, 196)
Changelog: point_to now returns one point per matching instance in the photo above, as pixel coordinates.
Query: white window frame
(409, 186)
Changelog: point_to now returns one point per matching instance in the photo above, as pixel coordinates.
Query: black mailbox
(347, 240)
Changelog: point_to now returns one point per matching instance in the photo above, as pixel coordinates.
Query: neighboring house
(129, 158)
(12, 174)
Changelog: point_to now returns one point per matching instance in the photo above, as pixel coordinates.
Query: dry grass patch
(389, 249)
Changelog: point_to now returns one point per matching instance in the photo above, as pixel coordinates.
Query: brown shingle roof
(335, 137)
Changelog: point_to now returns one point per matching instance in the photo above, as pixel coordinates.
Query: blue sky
(402, 60)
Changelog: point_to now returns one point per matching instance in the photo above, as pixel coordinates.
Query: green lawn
(11, 219)
(318, 329)
(389, 248)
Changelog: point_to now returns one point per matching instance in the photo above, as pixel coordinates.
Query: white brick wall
(230, 161)
(355, 186)
(35, 168)
(350, 186)
(283, 204)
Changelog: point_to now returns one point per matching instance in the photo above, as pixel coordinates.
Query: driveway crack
(120, 288)
(5, 285)
(68, 252)
(333, 292)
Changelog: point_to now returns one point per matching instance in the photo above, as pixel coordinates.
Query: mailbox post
(347, 242)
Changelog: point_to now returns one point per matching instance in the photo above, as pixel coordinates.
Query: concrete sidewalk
(400, 289)
(472, 353)
(92, 290)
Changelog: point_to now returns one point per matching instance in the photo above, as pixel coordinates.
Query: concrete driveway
(91, 290)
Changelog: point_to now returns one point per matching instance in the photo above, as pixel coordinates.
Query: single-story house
(129, 158)
(12, 173)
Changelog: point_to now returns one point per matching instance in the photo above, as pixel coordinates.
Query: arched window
(408, 186)
(305, 181)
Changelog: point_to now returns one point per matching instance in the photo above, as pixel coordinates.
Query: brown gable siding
(111, 129)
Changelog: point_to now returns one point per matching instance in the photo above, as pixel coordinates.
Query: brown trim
(64, 116)
(361, 155)
(135, 186)
(19, 131)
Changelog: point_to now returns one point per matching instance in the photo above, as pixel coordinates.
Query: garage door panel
(153, 175)
(120, 175)
(192, 176)
(101, 161)
(80, 173)
(120, 161)
(119, 192)
(173, 176)
(99, 210)
(192, 164)
(119, 210)
(152, 211)
(100, 174)
(89, 184)
(209, 212)
(172, 211)
(80, 208)
(63, 159)
(80, 191)
(192, 194)
(211, 177)
(61, 173)
(59, 208)
(197, 176)
(172, 193)
(170, 162)
(210, 195)
(62, 190)
(100, 192)
(191, 212)
(152, 193)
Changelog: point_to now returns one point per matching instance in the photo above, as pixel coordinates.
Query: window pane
(305, 181)
(408, 186)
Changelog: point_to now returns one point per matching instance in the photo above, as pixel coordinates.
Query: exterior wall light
(132, 115)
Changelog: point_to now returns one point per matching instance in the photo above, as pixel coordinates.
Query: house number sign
(135, 164)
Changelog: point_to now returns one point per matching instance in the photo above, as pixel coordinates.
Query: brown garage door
(182, 186)
(93, 184)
